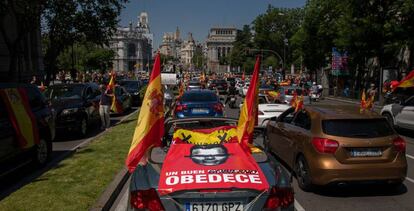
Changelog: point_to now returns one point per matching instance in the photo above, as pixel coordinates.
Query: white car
(400, 115)
(268, 110)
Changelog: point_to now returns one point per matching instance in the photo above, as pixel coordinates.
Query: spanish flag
(366, 104)
(150, 125)
(116, 106)
(297, 101)
(248, 112)
(408, 81)
(21, 116)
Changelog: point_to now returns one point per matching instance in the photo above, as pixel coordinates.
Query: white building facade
(133, 46)
(219, 44)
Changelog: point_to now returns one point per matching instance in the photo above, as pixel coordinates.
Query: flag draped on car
(408, 81)
(217, 135)
(21, 116)
(116, 106)
(248, 112)
(150, 125)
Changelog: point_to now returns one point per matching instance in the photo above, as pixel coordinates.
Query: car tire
(389, 119)
(42, 152)
(83, 127)
(303, 174)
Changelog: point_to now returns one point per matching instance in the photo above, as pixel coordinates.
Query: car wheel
(42, 152)
(83, 127)
(389, 119)
(303, 174)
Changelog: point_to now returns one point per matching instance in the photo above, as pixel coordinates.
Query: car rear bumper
(329, 170)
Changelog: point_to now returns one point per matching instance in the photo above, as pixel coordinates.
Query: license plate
(366, 153)
(214, 206)
(200, 110)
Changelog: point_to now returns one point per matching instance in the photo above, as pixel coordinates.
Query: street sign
(168, 78)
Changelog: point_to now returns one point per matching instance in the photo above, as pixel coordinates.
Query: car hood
(61, 104)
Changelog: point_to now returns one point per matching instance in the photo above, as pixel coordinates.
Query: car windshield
(65, 92)
(357, 128)
(292, 91)
(194, 83)
(199, 97)
(130, 84)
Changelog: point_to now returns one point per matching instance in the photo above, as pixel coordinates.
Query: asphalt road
(353, 197)
(63, 145)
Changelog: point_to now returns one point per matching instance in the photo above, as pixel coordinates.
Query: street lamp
(267, 50)
(286, 42)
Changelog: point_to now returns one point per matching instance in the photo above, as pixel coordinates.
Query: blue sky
(198, 16)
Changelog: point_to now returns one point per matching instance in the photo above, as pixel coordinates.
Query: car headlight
(69, 111)
(136, 93)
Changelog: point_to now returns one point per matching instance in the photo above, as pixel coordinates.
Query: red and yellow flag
(116, 106)
(150, 125)
(366, 104)
(297, 101)
(408, 81)
(21, 116)
(248, 112)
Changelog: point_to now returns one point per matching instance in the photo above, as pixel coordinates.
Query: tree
(198, 58)
(238, 56)
(18, 19)
(67, 21)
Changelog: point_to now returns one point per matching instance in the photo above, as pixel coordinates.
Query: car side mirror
(158, 155)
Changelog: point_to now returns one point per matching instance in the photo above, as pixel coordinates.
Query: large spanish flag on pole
(21, 116)
(248, 112)
(116, 107)
(408, 81)
(150, 125)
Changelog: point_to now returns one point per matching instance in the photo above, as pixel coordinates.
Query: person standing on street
(104, 107)
(372, 91)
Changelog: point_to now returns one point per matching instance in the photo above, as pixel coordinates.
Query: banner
(218, 135)
(203, 167)
(339, 63)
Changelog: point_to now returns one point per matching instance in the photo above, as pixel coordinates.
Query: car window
(302, 120)
(287, 116)
(410, 102)
(36, 99)
(199, 97)
(357, 128)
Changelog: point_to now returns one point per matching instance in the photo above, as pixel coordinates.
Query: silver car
(400, 114)
(145, 195)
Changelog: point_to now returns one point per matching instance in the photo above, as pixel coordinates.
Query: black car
(133, 87)
(76, 105)
(13, 156)
(220, 85)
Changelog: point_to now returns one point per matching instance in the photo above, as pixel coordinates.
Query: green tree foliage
(68, 21)
(239, 55)
(198, 58)
(86, 57)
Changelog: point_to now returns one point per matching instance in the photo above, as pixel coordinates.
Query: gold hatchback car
(329, 144)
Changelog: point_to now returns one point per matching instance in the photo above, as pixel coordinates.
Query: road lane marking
(298, 207)
(409, 179)
(410, 156)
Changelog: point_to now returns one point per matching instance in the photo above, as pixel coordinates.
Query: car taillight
(279, 198)
(324, 145)
(180, 107)
(399, 144)
(218, 107)
(146, 199)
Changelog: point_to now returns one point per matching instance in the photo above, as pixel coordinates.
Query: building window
(132, 52)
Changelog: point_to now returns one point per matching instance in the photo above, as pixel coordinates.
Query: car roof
(199, 91)
(340, 112)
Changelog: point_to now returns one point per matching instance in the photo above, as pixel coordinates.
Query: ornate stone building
(188, 49)
(133, 46)
(171, 44)
(219, 44)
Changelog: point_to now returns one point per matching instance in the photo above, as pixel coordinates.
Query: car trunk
(362, 140)
(227, 199)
